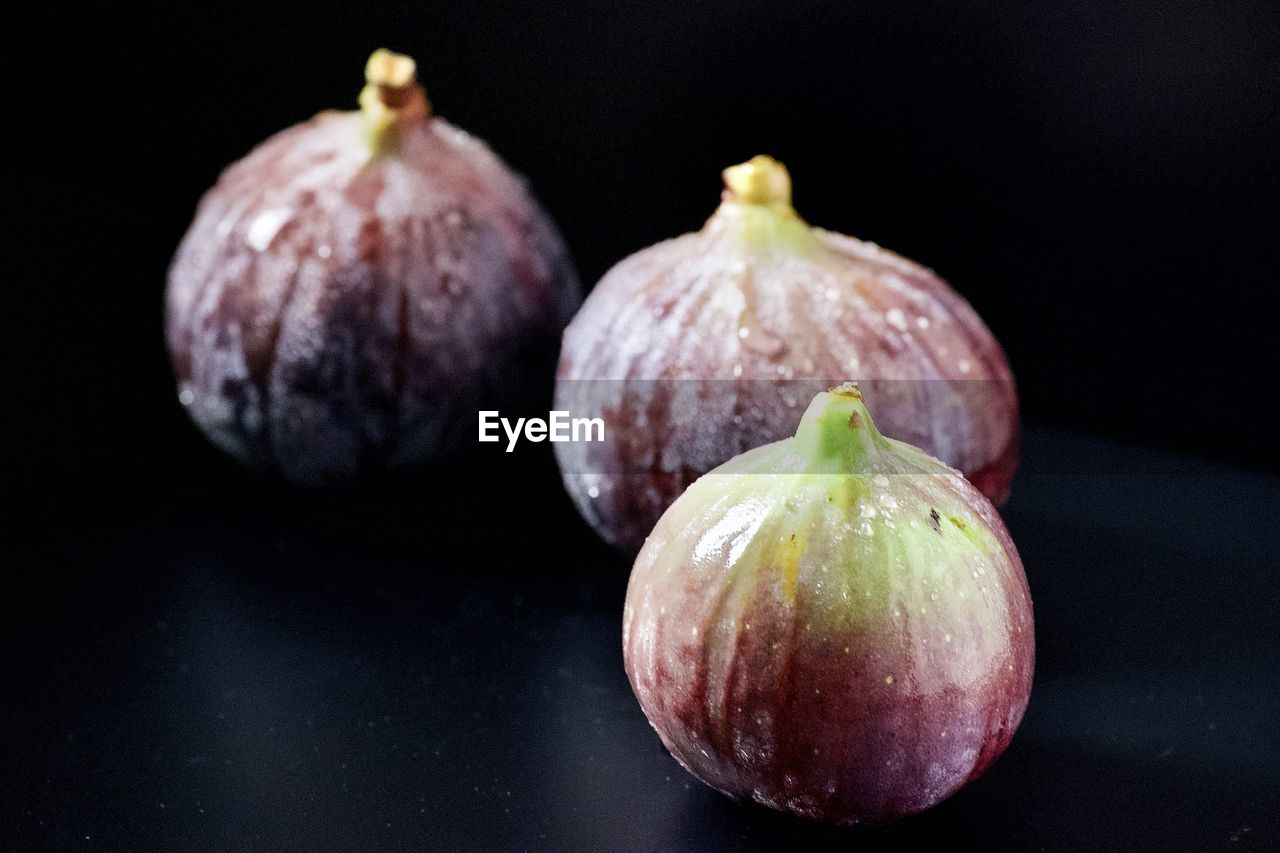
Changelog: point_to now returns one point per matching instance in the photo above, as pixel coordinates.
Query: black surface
(220, 664)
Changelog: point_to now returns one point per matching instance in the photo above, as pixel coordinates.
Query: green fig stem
(836, 435)
(761, 180)
(391, 100)
(756, 204)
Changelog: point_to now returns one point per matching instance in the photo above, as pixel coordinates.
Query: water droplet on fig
(266, 225)
(762, 341)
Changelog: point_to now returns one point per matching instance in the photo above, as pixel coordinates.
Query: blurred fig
(835, 625)
(701, 347)
(353, 286)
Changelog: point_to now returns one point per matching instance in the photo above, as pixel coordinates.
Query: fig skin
(701, 347)
(835, 625)
(351, 287)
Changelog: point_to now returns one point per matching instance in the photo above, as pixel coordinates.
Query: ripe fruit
(835, 625)
(701, 347)
(350, 288)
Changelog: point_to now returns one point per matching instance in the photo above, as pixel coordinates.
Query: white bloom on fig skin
(692, 348)
(835, 625)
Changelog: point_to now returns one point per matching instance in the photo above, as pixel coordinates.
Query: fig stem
(836, 434)
(756, 207)
(761, 180)
(391, 100)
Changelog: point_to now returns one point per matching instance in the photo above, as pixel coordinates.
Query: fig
(355, 282)
(835, 625)
(703, 346)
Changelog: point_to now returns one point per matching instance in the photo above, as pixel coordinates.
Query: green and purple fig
(752, 315)
(355, 287)
(835, 625)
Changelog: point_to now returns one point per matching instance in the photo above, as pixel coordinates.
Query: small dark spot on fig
(368, 241)
(934, 518)
(958, 522)
(854, 420)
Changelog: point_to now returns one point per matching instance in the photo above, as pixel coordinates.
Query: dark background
(1101, 181)
(200, 660)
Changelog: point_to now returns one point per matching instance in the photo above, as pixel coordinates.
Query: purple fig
(350, 287)
(754, 314)
(835, 625)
